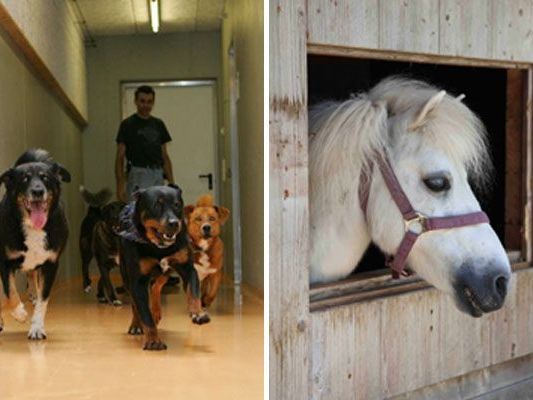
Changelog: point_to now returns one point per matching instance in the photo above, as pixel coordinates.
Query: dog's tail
(95, 199)
(34, 155)
(205, 201)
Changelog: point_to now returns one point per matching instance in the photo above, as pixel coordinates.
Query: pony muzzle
(481, 291)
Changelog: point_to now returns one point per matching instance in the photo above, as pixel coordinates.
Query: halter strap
(415, 223)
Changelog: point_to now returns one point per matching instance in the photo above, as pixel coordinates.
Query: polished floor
(89, 355)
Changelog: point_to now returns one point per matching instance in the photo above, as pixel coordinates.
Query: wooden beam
(528, 166)
(289, 203)
(389, 55)
(514, 134)
(18, 41)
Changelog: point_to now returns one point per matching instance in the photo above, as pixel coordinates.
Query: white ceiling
(130, 17)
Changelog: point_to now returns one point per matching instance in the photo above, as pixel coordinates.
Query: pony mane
(345, 136)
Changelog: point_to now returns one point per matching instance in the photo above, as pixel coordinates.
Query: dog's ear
(223, 214)
(61, 172)
(137, 193)
(174, 186)
(6, 177)
(187, 210)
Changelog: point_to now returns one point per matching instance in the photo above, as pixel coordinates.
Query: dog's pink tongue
(38, 216)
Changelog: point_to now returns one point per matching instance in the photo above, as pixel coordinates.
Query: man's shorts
(141, 178)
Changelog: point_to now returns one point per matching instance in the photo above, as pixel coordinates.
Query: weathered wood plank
(465, 28)
(343, 22)
(346, 353)
(503, 326)
(289, 275)
(409, 25)
(476, 383)
(410, 336)
(512, 37)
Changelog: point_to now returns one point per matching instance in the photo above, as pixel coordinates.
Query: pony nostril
(500, 284)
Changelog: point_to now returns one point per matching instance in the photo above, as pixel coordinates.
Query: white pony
(434, 144)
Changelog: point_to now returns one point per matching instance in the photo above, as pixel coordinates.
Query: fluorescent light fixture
(154, 15)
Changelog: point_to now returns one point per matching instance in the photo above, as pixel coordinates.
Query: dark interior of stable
(486, 91)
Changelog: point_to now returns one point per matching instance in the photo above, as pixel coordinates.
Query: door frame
(124, 85)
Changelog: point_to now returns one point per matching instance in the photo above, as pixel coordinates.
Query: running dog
(95, 201)
(33, 232)
(204, 222)
(105, 243)
(153, 243)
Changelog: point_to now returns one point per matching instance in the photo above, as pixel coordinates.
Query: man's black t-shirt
(143, 139)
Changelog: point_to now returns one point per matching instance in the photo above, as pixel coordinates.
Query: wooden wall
(487, 29)
(397, 344)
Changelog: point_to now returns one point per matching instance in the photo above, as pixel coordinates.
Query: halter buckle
(416, 225)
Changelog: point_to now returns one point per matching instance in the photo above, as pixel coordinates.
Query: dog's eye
(211, 218)
(198, 219)
(44, 177)
(26, 178)
(437, 183)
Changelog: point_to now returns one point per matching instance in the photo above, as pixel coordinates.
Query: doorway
(189, 110)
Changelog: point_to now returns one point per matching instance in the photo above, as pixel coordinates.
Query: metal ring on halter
(417, 225)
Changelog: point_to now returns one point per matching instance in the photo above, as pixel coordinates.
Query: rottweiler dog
(105, 249)
(95, 201)
(33, 232)
(153, 243)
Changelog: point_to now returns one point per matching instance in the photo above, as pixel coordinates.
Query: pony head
(436, 146)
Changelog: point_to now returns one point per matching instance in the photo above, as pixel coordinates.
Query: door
(188, 109)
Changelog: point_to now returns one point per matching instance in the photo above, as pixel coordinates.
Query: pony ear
(432, 103)
(62, 172)
(223, 214)
(6, 176)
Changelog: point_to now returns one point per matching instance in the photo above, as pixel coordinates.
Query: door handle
(209, 179)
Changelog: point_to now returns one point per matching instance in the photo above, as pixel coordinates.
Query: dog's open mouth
(165, 239)
(38, 212)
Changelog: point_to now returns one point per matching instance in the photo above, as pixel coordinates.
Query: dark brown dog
(153, 242)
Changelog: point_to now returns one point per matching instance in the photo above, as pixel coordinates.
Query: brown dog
(204, 222)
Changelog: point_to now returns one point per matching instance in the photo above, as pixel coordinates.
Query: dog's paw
(135, 330)
(19, 313)
(201, 318)
(36, 333)
(101, 299)
(156, 344)
(116, 302)
(87, 288)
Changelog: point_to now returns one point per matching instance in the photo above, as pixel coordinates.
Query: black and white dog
(33, 232)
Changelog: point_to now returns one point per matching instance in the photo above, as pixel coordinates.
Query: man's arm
(120, 175)
(167, 164)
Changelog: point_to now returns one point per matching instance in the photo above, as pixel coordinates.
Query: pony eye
(437, 183)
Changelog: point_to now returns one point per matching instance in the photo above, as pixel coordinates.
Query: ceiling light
(154, 15)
